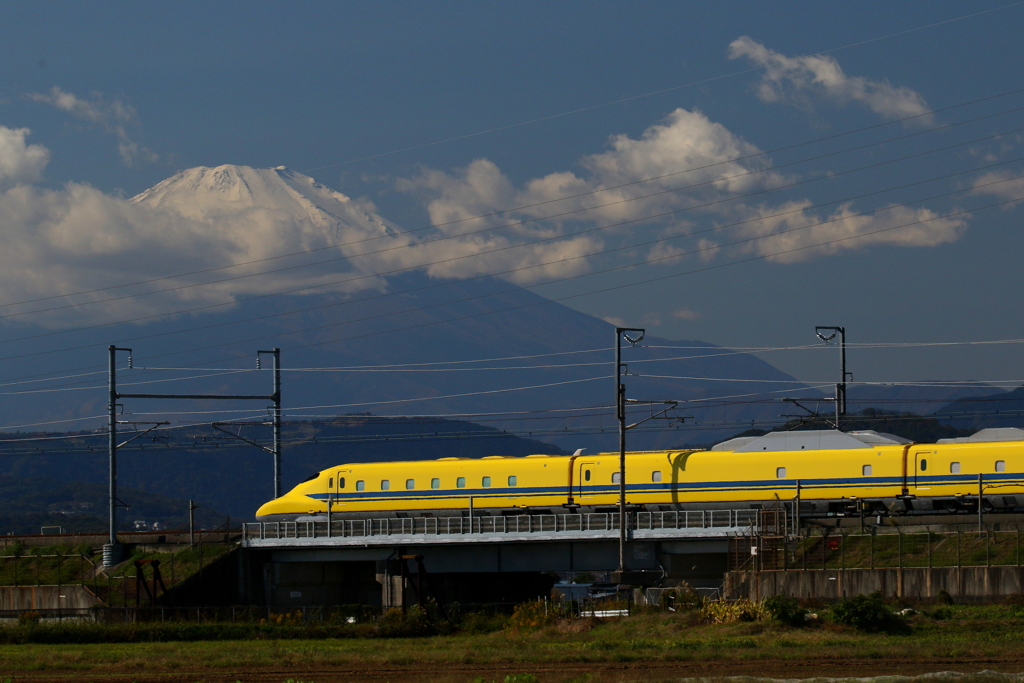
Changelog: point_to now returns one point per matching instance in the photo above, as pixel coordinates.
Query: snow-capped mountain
(203, 193)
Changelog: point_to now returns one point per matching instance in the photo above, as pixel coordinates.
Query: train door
(340, 485)
(920, 473)
(586, 478)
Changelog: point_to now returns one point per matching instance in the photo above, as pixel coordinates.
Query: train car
(823, 472)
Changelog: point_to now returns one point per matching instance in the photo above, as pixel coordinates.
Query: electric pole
(844, 375)
(112, 550)
(632, 335)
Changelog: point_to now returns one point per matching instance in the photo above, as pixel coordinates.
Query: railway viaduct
(478, 560)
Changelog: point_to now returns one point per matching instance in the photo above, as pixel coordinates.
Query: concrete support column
(392, 586)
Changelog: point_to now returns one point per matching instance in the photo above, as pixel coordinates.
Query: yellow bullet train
(829, 472)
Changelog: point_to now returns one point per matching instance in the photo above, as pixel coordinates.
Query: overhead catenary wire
(713, 403)
(717, 425)
(713, 352)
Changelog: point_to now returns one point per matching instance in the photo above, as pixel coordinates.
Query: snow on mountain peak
(204, 193)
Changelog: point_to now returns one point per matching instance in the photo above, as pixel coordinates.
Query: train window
(586, 475)
(656, 476)
(360, 485)
(924, 465)
(435, 483)
(512, 480)
(865, 471)
(460, 482)
(954, 468)
(385, 484)
(341, 482)
(485, 482)
(330, 483)
(1000, 465)
(780, 472)
(616, 477)
(410, 483)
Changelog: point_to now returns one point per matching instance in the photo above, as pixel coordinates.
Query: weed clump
(785, 610)
(722, 612)
(867, 613)
(531, 616)
(415, 622)
(509, 678)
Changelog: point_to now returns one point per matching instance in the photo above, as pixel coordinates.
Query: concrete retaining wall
(962, 583)
(46, 598)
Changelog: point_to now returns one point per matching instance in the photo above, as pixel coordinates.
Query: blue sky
(119, 96)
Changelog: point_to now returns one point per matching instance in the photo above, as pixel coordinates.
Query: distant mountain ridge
(230, 476)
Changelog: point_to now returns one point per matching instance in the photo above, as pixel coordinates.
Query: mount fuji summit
(204, 193)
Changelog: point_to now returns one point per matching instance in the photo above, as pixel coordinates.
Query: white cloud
(794, 80)
(687, 160)
(113, 116)
(19, 162)
(1002, 184)
(76, 238)
(801, 234)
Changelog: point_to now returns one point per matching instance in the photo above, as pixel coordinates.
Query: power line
(651, 94)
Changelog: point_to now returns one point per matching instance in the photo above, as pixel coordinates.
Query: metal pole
(277, 422)
(112, 442)
(620, 411)
(191, 524)
(980, 489)
(622, 474)
(842, 353)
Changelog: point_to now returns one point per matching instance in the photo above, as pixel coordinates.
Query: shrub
(867, 613)
(785, 610)
(415, 622)
(682, 598)
(722, 612)
(530, 616)
(1014, 600)
(29, 618)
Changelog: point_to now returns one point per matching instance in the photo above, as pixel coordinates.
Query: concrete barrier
(961, 583)
(46, 598)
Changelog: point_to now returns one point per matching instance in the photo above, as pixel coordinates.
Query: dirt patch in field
(633, 672)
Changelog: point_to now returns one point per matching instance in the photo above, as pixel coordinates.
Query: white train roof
(810, 440)
(991, 434)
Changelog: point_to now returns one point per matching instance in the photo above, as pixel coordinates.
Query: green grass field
(649, 647)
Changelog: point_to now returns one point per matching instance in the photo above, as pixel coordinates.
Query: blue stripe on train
(751, 486)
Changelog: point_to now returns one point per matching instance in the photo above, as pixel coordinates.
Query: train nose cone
(267, 511)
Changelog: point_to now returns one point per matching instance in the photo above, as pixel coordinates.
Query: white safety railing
(513, 524)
